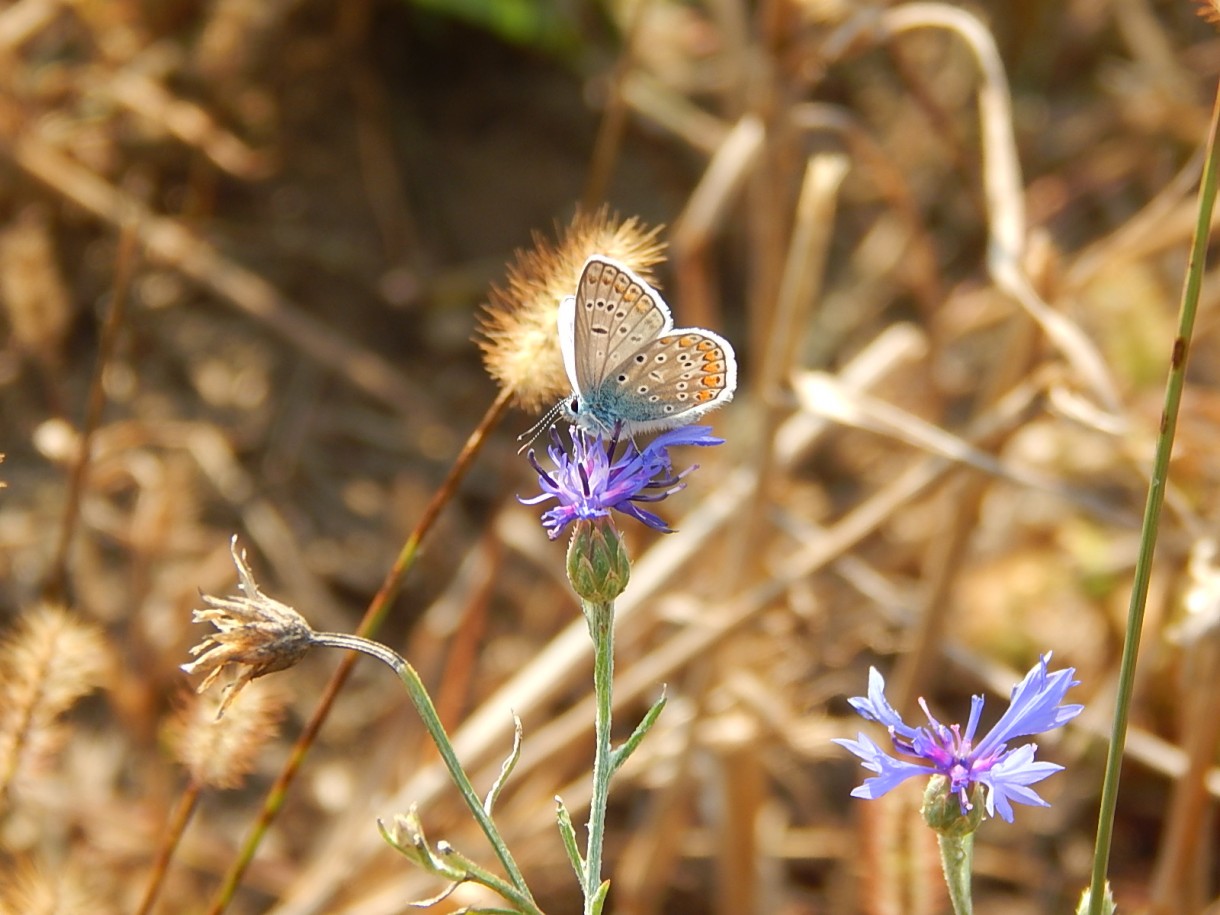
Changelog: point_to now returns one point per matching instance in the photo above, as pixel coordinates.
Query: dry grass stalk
(899, 869)
(173, 242)
(189, 123)
(1003, 186)
(218, 753)
(47, 664)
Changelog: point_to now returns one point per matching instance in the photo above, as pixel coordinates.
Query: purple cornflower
(1005, 774)
(590, 481)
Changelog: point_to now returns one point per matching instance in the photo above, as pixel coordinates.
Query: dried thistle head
(517, 333)
(256, 634)
(47, 663)
(221, 753)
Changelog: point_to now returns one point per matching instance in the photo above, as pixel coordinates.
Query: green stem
(1152, 513)
(600, 616)
(374, 616)
(427, 713)
(956, 858)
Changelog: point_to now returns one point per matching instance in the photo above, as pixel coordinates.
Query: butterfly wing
(615, 314)
(626, 362)
(567, 339)
(674, 379)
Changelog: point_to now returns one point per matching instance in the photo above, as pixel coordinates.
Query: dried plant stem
(1176, 883)
(172, 242)
(169, 842)
(614, 118)
(56, 583)
(1004, 193)
(1152, 514)
(373, 617)
(799, 290)
(189, 122)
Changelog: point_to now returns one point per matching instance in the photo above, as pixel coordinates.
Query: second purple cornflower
(937, 749)
(589, 481)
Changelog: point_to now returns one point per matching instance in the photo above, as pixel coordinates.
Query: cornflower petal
(1035, 706)
(1009, 779)
(891, 772)
(589, 481)
(875, 707)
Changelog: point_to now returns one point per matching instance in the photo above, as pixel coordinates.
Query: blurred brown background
(935, 462)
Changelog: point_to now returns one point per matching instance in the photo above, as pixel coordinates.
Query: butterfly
(626, 361)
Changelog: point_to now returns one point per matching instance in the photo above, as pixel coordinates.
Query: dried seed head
(255, 633)
(32, 287)
(518, 334)
(40, 890)
(50, 661)
(220, 753)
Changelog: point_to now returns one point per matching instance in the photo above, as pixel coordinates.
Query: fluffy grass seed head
(517, 332)
(49, 661)
(221, 752)
(256, 634)
(33, 888)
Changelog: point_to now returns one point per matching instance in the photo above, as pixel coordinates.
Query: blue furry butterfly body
(626, 361)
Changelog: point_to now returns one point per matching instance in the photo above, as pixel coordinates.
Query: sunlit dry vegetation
(254, 257)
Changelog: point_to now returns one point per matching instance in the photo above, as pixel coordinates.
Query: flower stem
(432, 722)
(1152, 513)
(374, 615)
(600, 616)
(956, 857)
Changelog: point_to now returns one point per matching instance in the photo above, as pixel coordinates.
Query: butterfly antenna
(530, 435)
